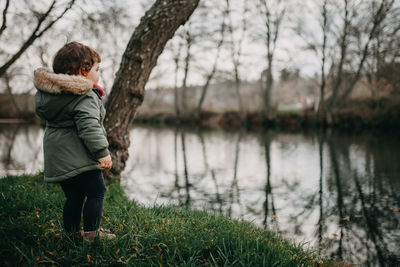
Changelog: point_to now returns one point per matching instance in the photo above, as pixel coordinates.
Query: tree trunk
(343, 55)
(236, 53)
(214, 68)
(176, 89)
(268, 88)
(321, 107)
(188, 58)
(156, 27)
(273, 22)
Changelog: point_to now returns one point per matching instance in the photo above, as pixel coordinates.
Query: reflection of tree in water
(20, 140)
(231, 196)
(9, 139)
(185, 167)
(191, 184)
(366, 223)
(177, 187)
(269, 206)
(234, 194)
(218, 200)
(352, 204)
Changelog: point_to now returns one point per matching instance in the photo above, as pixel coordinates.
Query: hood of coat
(56, 83)
(56, 91)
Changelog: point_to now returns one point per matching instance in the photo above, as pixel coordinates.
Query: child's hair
(74, 58)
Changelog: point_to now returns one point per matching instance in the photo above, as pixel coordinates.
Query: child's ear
(83, 72)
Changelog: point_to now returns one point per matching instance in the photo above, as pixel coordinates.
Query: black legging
(89, 184)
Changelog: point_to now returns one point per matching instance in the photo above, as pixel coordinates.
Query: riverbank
(31, 230)
(354, 114)
(366, 113)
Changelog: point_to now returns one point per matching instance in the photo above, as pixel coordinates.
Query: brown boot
(103, 234)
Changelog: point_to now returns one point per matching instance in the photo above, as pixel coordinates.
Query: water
(337, 192)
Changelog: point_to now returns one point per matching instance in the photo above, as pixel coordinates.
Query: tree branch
(378, 18)
(35, 34)
(4, 24)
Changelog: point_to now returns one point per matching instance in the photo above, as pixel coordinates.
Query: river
(339, 193)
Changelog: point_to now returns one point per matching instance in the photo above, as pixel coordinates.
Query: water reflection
(20, 148)
(338, 192)
(335, 191)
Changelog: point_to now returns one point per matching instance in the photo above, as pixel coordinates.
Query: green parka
(74, 138)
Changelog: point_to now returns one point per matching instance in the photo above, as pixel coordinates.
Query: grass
(31, 234)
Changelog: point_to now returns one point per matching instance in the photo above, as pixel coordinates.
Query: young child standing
(75, 144)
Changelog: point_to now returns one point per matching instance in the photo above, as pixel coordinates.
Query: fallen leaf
(130, 257)
(37, 258)
(89, 258)
(335, 235)
(345, 219)
(274, 216)
(340, 263)
(116, 252)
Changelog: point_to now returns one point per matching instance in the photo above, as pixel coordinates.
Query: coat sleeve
(86, 116)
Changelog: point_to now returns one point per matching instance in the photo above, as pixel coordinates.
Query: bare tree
(343, 31)
(177, 56)
(343, 53)
(188, 57)
(37, 32)
(340, 89)
(324, 26)
(377, 18)
(273, 14)
(211, 74)
(236, 51)
(321, 48)
(381, 65)
(157, 26)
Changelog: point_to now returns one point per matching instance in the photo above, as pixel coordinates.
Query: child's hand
(106, 163)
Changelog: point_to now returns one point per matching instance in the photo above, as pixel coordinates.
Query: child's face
(93, 74)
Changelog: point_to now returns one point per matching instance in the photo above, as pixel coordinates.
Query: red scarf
(101, 90)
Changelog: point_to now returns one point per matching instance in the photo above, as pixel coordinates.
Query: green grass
(31, 234)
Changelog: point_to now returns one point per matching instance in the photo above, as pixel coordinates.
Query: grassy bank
(31, 233)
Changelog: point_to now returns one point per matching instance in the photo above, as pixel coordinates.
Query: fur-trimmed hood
(47, 81)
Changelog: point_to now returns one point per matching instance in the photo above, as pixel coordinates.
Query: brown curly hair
(75, 58)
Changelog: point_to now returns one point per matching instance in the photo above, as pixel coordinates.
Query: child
(75, 144)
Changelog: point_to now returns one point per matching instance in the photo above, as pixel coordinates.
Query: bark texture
(156, 27)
